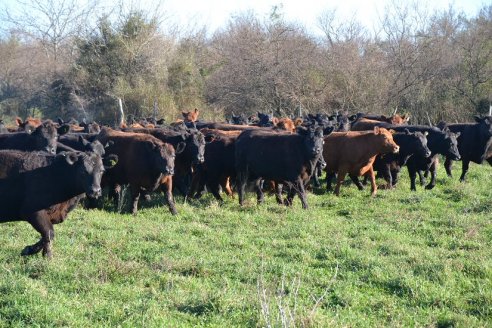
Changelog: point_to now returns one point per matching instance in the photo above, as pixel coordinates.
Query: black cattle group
(46, 168)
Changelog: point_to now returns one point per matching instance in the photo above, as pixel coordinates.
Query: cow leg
(412, 172)
(422, 176)
(115, 193)
(394, 175)
(374, 187)
(387, 176)
(329, 180)
(448, 165)
(465, 164)
(278, 193)
(299, 187)
(355, 180)
(290, 195)
(45, 228)
(433, 172)
(226, 185)
(168, 190)
(215, 190)
(259, 192)
(135, 192)
(340, 178)
(242, 179)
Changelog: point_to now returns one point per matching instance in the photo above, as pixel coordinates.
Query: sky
(216, 13)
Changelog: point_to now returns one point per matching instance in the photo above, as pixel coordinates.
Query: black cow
(443, 142)
(389, 165)
(45, 188)
(473, 142)
(218, 169)
(144, 162)
(190, 148)
(288, 159)
(44, 137)
(239, 120)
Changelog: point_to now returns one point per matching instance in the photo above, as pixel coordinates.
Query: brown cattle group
(68, 160)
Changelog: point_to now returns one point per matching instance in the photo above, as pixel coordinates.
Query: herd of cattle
(46, 168)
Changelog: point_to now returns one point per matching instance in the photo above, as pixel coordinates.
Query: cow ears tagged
(110, 161)
(180, 147)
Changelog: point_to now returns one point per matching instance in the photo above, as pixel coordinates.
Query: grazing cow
(288, 159)
(44, 188)
(218, 169)
(473, 142)
(389, 165)
(42, 138)
(354, 153)
(144, 162)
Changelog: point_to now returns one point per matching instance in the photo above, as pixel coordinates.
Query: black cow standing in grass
(443, 142)
(44, 137)
(44, 188)
(389, 165)
(288, 159)
(473, 142)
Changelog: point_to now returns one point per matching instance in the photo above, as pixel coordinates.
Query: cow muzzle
(169, 171)
(396, 149)
(95, 193)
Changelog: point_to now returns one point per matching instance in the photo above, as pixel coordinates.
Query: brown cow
(286, 124)
(144, 162)
(191, 116)
(354, 153)
(28, 125)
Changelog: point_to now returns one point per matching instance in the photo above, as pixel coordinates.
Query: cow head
(195, 146)
(313, 140)
(45, 137)
(419, 143)
(90, 127)
(265, 120)
(485, 126)
(386, 138)
(162, 156)
(89, 170)
(191, 116)
(448, 144)
(239, 120)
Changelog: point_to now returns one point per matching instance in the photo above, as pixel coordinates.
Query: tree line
(71, 59)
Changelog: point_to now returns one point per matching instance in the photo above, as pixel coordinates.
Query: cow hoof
(429, 187)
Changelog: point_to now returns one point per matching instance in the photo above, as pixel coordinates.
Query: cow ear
(180, 147)
(477, 118)
(457, 134)
(60, 121)
(376, 130)
(110, 161)
(63, 129)
(352, 118)
(109, 143)
(275, 121)
(18, 121)
(184, 114)
(71, 158)
(392, 131)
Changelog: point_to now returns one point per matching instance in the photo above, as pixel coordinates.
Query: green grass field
(401, 259)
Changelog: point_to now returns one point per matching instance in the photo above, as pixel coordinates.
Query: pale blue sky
(216, 13)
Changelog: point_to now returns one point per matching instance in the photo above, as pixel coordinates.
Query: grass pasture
(401, 259)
